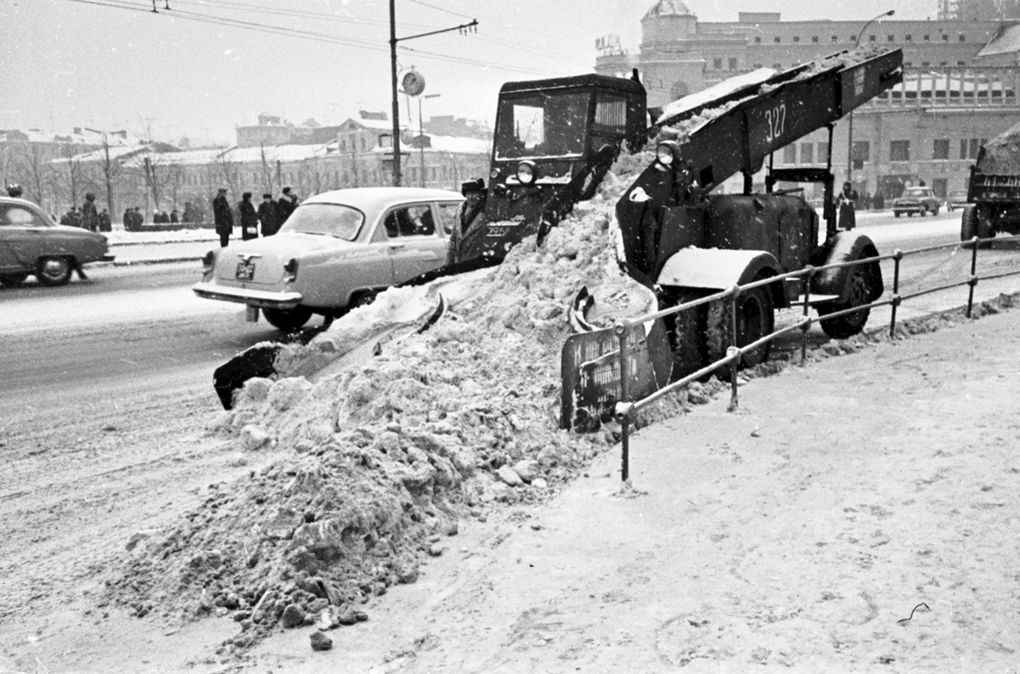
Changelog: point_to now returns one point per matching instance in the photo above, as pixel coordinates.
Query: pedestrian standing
(847, 203)
(267, 215)
(285, 206)
(249, 218)
(467, 212)
(222, 217)
(174, 218)
(104, 221)
(14, 190)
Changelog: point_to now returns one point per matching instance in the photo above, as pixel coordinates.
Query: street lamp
(850, 137)
(421, 135)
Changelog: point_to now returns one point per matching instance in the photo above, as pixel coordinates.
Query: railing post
(621, 333)
(806, 284)
(897, 256)
(734, 321)
(972, 281)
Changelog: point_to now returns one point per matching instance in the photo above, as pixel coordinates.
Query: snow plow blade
(260, 360)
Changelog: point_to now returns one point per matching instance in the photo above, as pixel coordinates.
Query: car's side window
(17, 216)
(447, 215)
(408, 221)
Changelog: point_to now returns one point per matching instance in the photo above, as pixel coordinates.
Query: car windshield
(541, 124)
(916, 192)
(343, 222)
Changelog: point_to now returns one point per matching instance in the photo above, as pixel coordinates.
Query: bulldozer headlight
(290, 271)
(667, 152)
(526, 172)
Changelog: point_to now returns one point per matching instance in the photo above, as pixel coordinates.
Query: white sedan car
(336, 251)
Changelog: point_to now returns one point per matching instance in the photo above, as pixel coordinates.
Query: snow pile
(381, 457)
(1002, 154)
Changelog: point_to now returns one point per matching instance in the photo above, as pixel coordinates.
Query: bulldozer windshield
(542, 124)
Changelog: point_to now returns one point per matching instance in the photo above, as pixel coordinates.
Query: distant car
(31, 244)
(918, 200)
(957, 199)
(337, 250)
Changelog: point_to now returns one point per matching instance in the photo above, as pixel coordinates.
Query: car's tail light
(209, 262)
(290, 271)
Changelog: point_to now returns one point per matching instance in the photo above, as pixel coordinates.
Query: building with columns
(960, 83)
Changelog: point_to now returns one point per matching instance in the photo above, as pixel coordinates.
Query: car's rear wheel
(364, 298)
(288, 320)
(12, 280)
(54, 271)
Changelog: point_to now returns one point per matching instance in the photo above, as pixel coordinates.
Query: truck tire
(860, 291)
(12, 280)
(288, 320)
(985, 225)
(755, 319)
(968, 223)
(686, 332)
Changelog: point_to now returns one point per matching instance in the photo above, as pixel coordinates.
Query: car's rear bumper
(253, 298)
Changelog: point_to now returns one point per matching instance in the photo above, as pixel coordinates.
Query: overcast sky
(203, 67)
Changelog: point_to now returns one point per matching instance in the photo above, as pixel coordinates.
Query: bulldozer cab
(554, 141)
(559, 124)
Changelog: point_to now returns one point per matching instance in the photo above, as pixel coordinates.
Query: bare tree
(35, 166)
(174, 182)
(230, 173)
(72, 173)
(267, 170)
(110, 170)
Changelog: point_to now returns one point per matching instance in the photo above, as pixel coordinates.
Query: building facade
(960, 84)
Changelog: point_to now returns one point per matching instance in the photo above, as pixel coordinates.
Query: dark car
(31, 244)
(920, 200)
(957, 199)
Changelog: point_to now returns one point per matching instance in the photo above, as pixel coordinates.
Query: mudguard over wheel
(860, 291)
(288, 320)
(755, 319)
(54, 271)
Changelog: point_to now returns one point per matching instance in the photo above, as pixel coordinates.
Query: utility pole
(393, 87)
(463, 28)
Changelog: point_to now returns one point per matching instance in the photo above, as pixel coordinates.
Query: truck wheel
(686, 333)
(12, 280)
(755, 319)
(968, 224)
(288, 320)
(848, 325)
(985, 226)
(54, 271)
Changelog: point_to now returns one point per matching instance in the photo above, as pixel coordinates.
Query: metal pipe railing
(625, 409)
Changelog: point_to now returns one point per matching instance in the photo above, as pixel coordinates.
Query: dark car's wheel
(362, 299)
(54, 271)
(848, 325)
(288, 320)
(12, 280)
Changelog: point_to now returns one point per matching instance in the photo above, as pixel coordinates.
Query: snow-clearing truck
(556, 139)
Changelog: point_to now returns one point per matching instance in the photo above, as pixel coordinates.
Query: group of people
(87, 217)
(267, 218)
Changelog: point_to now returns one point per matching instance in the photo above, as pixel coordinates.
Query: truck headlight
(527, 172)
